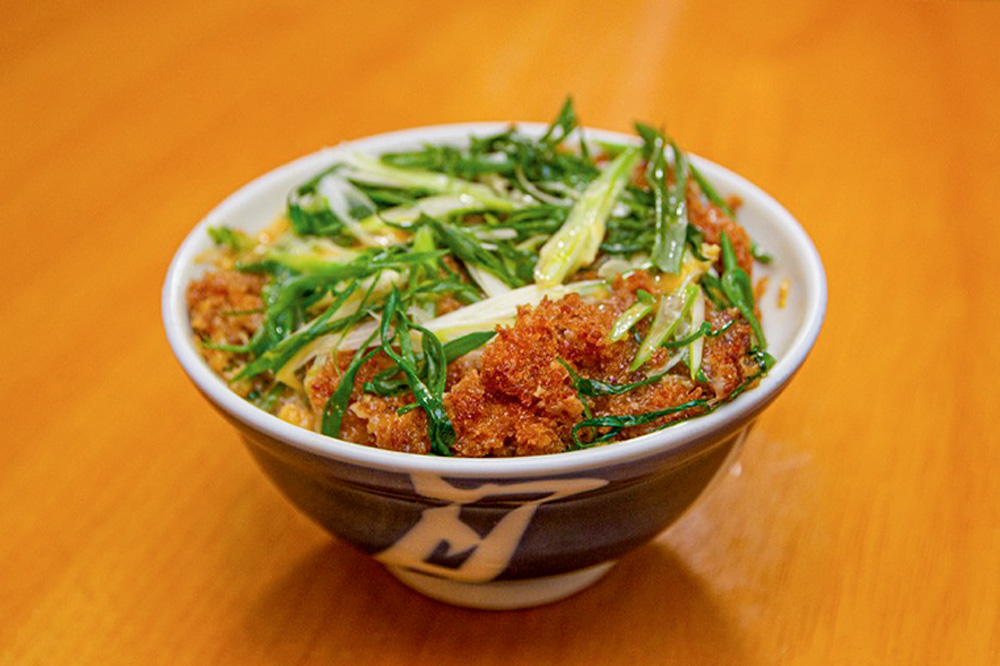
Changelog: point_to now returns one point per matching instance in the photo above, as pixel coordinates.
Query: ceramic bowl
(503, 533)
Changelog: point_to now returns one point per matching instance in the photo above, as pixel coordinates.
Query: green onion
(576, 243)
(459, 347)
(336, 405)
(279, 354)
(440, 205)
(595, 387)
(617, 423)
(368, 170)
(435, 362)
(713, 290)
(234, 239)
(669, 202)
(565, 122)
(671, 311)
(532, 164)
(628, 319)
(439, 429)
(469, 163)
(385, 382)
(469, 249)
(759, 253)
(330, 205)
(709, 192)
(736, 285)
(423, 242)
(705, 330)
(348, 265)
(668, 248)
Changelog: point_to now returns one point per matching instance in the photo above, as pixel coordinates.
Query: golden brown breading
(725, 361)
(216, 304)
(711, 221)
(513, 398)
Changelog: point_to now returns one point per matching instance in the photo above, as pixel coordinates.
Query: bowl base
(504, 594)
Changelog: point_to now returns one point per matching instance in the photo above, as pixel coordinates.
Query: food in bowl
(498, 532)
(520, 293)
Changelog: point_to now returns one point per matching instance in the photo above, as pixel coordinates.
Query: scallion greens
(419, 256)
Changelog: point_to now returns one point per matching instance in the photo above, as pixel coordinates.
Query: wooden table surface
(865, 525)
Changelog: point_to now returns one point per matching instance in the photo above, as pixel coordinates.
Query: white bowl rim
(175, 319)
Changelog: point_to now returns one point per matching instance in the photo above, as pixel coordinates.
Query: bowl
(512, 532)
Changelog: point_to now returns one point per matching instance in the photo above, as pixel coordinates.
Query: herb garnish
(383, 249)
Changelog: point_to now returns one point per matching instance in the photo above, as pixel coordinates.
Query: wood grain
(864, 525)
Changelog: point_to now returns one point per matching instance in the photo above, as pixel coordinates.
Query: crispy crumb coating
(517, 399)
(224, 307)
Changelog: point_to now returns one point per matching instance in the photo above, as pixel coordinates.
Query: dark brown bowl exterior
(375, 510)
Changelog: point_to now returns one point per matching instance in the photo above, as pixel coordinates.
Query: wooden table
(865, 524)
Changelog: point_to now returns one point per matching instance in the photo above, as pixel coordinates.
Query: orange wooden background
(865, 525)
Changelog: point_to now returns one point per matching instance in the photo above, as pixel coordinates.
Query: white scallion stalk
(531, 243)
(672, 309)
(328, 343)
(535, 192)
(577, 241)
(617, 266)
(684, 296)
(487, 314)
(491, 285)
(486, 234)
(612, 268)
(304, 254)
(628, 319)
(342, 197)
(367, 169)
(438, 205)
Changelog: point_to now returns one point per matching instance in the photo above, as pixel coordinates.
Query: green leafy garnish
(595, 387)
(670, 201)
(278, 355)
(698, 407)
(759, 253)
(628, 319)
(616, 424)
(364, 169)
(669, 314)
(423, 254)
(703, 331)
(735, 284)
(564, 123)
(576, 243)
(234, 239)
(396, 327)
(709, 191)
(336, 405)
(388, 382)
(466, 247)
